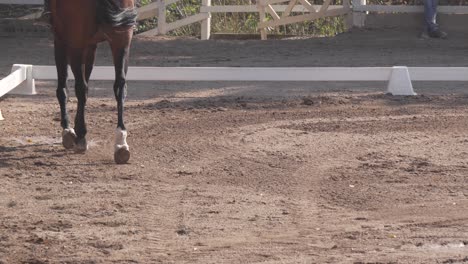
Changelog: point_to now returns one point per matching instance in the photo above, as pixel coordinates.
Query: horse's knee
(61, 94)
(119, 88)
(120, 81)
(81, 91)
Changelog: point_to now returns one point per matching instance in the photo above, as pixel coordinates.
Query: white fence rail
(22, 79)
(12, 81)
(263, 73)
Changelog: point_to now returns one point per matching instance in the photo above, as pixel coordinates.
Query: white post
(349, 15)
(261, 12)
(206, 23)
(161, 17)
(28, 87)
(359, 18)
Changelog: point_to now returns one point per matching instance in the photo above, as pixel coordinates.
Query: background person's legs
(430, 15)
(430, 20)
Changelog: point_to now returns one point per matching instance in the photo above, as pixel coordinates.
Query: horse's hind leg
(68, 134)
(81, 91)
(120, 54)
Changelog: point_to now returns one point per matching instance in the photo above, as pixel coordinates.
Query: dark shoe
(43, 20)
(438, 34)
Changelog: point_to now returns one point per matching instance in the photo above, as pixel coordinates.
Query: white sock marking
(121, 139)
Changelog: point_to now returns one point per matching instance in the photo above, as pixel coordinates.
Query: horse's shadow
(40, 155)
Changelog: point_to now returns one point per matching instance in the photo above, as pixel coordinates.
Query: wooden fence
(282, 12)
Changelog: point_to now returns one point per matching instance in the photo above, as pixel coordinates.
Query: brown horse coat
(78, 26)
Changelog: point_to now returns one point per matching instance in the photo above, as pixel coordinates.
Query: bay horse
(78, 26)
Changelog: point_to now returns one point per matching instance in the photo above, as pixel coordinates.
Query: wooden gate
(288, 17)
(287, 9)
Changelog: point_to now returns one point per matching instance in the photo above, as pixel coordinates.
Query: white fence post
(162, 17)
(349, 15)
(359, 18)
(28, 87)
(262, 15)
(206, 23)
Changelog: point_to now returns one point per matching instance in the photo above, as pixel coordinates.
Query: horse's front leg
(81, 91)
(121, 151)
(68, 134)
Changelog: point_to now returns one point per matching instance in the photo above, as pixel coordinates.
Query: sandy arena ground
(243, 172)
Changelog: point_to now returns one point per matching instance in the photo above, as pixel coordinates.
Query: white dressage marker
(400, 82)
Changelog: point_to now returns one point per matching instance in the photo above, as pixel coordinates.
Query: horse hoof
(68, 138)
(121, 155)
(81, 146)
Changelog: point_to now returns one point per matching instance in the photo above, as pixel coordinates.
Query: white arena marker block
(28, 87)
(400, 82)
(1, 117)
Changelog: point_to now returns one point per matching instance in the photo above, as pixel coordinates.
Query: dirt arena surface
(243, 172)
